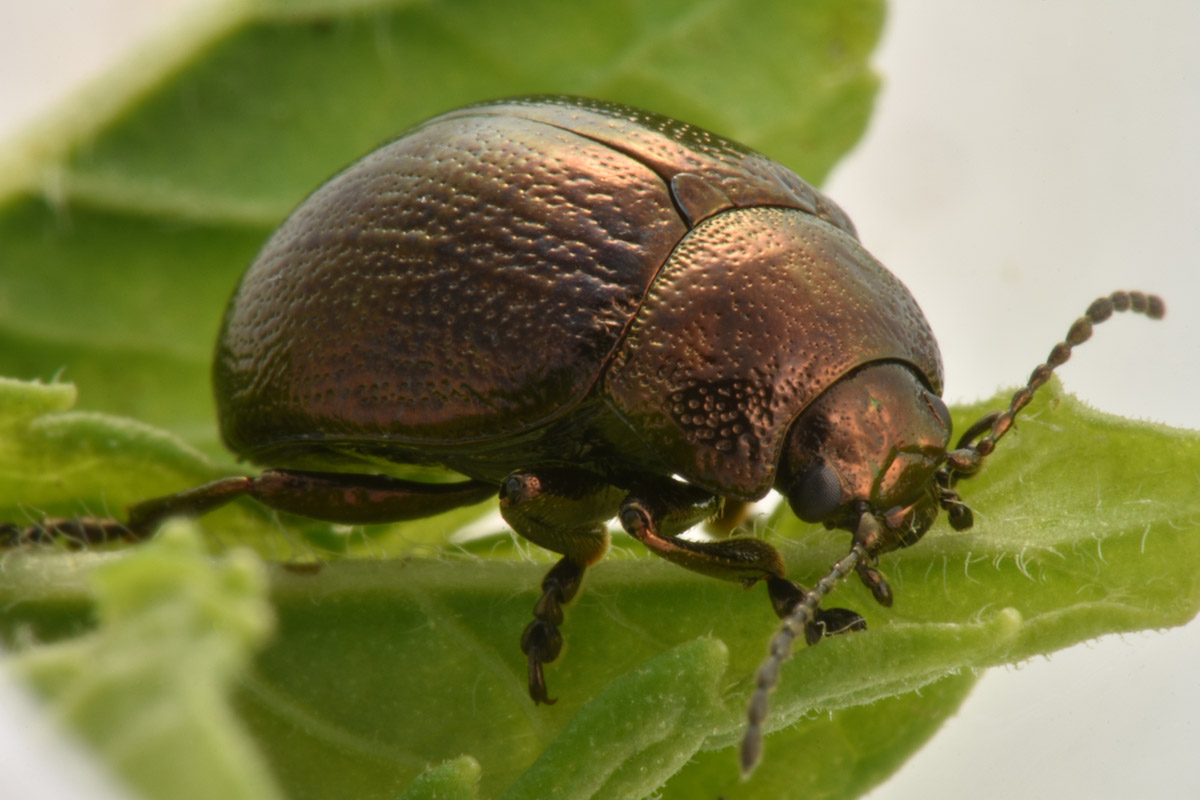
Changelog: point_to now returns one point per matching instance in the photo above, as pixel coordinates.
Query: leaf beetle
(591, 311)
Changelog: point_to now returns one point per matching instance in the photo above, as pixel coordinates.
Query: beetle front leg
(563, 511)
(656, 513)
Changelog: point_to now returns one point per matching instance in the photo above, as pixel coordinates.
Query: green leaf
(401, 676)
(454, 780)
(148, 688)
(379, 668)
(840, 754)
(651, 720)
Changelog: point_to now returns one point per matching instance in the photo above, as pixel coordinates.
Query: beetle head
(870, 455)
(871, 443)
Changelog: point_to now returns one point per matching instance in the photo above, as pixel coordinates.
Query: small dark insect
(570, 303)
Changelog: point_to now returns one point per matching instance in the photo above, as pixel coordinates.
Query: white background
(1025, 157)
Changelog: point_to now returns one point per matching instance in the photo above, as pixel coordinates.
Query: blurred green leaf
(148, 688)
(454, 780)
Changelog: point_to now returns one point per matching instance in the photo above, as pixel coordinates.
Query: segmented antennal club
(979, 440)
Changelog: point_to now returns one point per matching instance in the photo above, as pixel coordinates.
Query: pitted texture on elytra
(768, 307)
(669, 147)
(465, 281)
(470, 280)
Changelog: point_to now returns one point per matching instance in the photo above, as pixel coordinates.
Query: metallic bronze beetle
(571, 302)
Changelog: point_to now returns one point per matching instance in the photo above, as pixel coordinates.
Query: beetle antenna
(800, 622)
(966, 460)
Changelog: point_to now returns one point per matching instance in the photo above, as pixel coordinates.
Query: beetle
(591, 311)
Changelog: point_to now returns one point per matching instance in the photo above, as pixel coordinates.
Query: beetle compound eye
(817, 493)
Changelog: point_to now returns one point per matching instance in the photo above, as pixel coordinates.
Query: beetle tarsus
(542, 643)
(541, 640)
(873, 579)
(785, 596)
(836, 621)
(958, 513)
(537, 685)
(74, 532)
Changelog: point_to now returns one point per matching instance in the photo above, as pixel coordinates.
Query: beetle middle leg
(657, 512)
(564, 511)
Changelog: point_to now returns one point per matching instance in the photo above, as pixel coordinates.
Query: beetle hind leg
(142, 520)
(74, 532)
(349, 498)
